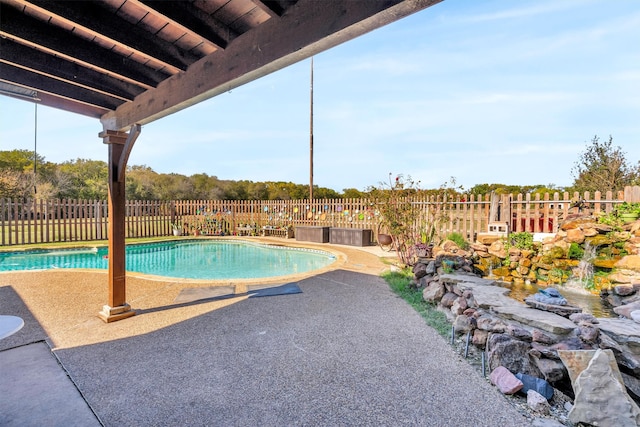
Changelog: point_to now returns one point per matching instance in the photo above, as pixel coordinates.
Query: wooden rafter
(42, 83)
(72, 73)
(192, 20)
(58, 42)
(87, 16)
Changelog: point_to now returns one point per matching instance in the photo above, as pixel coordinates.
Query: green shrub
(613, 218)
(605, 253)
(521, 240)
(575, 251)
(558, 275)
(627, 207)
(619, 245)
(459, 240)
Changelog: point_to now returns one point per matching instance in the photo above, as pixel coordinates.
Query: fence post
(3, 216)
(632, 194)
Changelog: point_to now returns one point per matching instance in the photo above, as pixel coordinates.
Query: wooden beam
(43, 83)
(56, 41)
(308, 27)
(70, 72)
(65, 104)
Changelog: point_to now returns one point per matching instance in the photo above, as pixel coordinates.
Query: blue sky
(487, 92)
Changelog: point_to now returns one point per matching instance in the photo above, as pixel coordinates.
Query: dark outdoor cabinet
(312, 234)
(350, 236)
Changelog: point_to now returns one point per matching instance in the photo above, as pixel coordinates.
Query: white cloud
(538, 8)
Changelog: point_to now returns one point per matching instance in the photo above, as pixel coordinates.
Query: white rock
(537, 402)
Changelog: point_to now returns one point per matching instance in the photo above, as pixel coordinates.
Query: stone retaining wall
(519, 337)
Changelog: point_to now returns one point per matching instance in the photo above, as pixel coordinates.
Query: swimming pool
(201, 259)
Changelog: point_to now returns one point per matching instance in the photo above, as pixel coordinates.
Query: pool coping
(341, 259)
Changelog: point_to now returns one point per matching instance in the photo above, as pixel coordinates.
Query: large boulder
(448, 299)
(420, 270)
(433, 292)
(629, 262)
(575, 236)
(497, 249)
(490, 323)
(626, 336)
(552, 371)
(624, 290)
(513, 354)
(479, 338)
(626, 310)
(600, 395)
(459, 306)
(462, 323)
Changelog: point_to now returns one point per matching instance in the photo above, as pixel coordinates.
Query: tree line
(25, 174)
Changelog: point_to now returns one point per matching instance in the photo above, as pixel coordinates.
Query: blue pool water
(203, 259)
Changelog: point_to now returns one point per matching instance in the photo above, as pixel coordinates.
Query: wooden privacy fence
(44, 221)
(69, 220)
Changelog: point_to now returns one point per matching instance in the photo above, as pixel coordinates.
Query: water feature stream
(574, 290)
(583, 274)
(589, 302)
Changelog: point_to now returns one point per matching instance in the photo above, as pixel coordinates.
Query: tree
(353, 193)
(602, 167)
(481, 189)
(18, 160)
(397, 214)
(18, 175)
(236, 190)
(204, 185)
(88, 178)
(141, 183)
(11, 183)
(325, 193)
(173, 186)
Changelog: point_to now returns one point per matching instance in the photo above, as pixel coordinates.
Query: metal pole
(311, 136)
(466, 347)
(35, 148)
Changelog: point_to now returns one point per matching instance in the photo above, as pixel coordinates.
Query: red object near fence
(532, 225)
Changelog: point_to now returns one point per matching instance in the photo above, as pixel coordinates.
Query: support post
(120, 144)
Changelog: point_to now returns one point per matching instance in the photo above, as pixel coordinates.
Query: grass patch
(399, 283)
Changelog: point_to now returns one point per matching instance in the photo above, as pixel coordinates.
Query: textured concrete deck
(345, 351)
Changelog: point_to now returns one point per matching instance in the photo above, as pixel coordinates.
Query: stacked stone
(626, 300)
(552, 254)
(525, 340)
(447, 257)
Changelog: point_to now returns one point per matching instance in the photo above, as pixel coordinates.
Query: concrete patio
(345, 351)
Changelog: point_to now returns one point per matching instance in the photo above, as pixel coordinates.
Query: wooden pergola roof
(130, 62)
